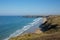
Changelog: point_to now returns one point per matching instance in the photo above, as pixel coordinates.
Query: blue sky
(29, 7)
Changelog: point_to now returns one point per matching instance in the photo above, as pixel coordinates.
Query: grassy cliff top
(32, 36)
(54, 19)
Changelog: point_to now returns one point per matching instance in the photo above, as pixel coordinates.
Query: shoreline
(48, 23)
(35, 25)
(37, 29)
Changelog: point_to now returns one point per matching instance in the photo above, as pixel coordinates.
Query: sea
(11, 26)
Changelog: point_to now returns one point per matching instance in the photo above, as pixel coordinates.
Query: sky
(29, 7)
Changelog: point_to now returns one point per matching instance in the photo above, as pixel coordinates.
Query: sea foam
(20, 31)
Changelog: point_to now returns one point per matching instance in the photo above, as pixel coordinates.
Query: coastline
(30, 28)
(36, 29)
(52, 33)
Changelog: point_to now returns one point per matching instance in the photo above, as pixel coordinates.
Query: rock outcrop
(53, 22)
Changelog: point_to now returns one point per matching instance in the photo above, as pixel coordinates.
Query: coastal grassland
(54, 20)
(43, 36)
(53, 32)
(28, 36)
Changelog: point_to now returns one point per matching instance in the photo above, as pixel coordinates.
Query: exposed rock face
(53, 22)
(44, 20)
(37, 31)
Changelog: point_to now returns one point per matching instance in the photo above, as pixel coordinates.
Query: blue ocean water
(9, 24)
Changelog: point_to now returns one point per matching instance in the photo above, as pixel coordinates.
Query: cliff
(53, 22)
(49, 30)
